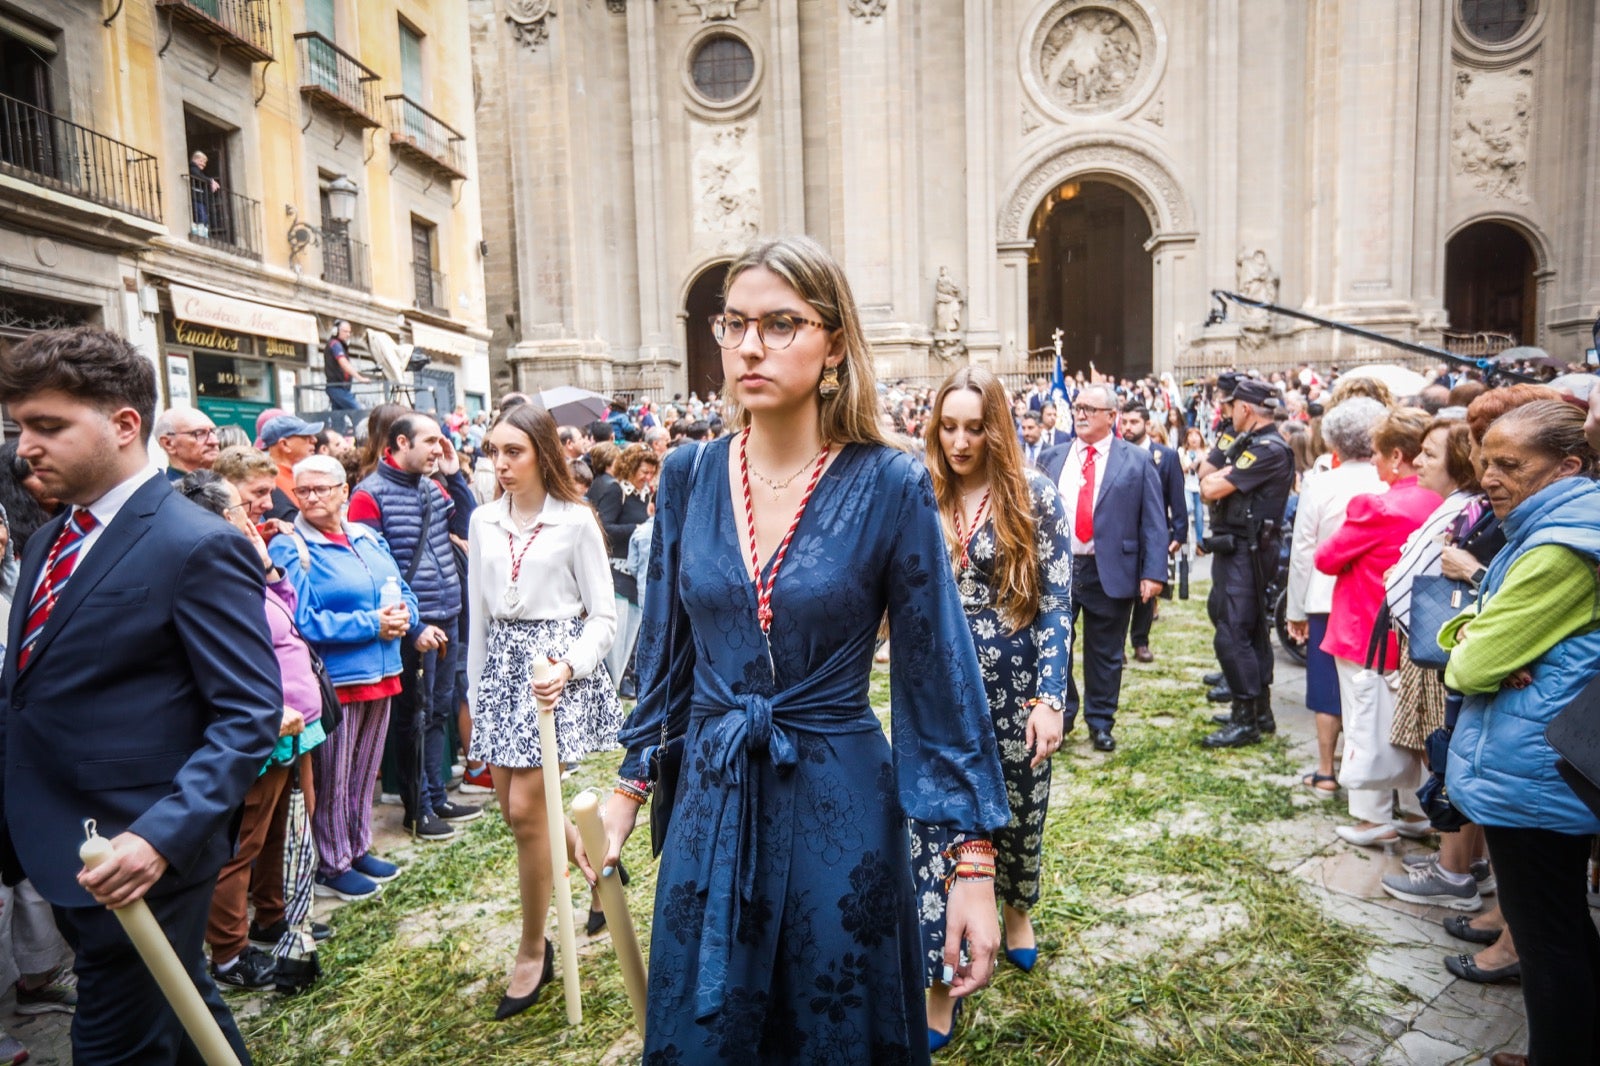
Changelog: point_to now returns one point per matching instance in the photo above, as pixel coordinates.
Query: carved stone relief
(867, 10)
(727, 197)
(1030, 122)
(1147, 181)
(1489, 131)
(711, 10)
(948, 342)
(1256, 280)
(529, 21)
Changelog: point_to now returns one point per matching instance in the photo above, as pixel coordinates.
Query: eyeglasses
(232, 507)
(775, 330)
(315, 492)
(196, 435)
(1083, 410)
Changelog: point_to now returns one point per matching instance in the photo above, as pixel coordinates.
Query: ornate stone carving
(727, 185)
(1489, 131)
(867, 10)
(1256, 281)
(947, 339)
(1157, 115)
(1149, 182)
(529, 21)
(1030, 122)
(617, 7)
(711, 10)
(1089, 58)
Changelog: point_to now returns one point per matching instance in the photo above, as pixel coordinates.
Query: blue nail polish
(606, 872)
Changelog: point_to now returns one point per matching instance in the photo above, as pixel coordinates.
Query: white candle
(561, 871)
(586, 812)
(157, 953)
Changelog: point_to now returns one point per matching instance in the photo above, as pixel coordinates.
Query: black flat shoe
(1467, 968)
(513, 1005)
(1460, 926)
(1103, 740)
(596, 922)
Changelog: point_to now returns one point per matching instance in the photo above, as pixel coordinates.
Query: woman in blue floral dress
(785, 924)
(1011, 551)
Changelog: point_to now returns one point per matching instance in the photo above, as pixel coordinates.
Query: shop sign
(208, 338)
(243, 316)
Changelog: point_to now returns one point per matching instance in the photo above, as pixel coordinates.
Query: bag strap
(422, 537)
(672, 609)
(301, 550)
(1378, 643)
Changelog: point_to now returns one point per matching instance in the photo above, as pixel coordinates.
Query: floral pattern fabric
(785, 921)
(505, 731)
(1016, 667)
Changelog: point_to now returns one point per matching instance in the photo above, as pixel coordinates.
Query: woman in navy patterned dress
(1012, 554)
(785, 922)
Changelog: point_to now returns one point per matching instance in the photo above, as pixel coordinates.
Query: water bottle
(390, 595)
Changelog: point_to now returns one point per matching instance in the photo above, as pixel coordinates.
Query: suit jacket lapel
(1116, 459)
(131, 523)
(33, 557)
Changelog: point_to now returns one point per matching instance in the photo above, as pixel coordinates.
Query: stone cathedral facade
(992, 171)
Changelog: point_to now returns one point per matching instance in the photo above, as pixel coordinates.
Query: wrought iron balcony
(58, 154)
(242, 26)
(345, 260)
(428, 286)
(425, 138)
(221, 218)
(332, 78)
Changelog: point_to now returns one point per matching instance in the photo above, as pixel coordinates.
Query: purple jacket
(300, 689)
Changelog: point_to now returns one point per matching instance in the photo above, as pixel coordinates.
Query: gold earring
(829, 386)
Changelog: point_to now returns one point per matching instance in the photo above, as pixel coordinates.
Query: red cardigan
(1360, 553)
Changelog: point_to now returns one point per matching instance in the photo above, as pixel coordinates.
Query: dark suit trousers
(1105, 629)
(1144, 616)
(417, 721)
(122, 1016)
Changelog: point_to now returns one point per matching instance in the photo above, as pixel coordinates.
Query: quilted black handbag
(1435, 599)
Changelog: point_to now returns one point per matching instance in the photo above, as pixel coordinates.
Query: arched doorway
(1090, 276)
(1489, 284)
(703, 359)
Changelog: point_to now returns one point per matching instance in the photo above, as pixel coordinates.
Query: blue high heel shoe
(1023, 958)
(938, 1040)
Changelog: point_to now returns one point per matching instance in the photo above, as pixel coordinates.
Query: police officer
(1247, 496)
(1227, 381)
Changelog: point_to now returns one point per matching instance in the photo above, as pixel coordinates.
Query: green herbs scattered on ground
(1169, 928)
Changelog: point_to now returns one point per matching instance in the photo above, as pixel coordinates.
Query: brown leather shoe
(1142, 653)
(1508, 1058)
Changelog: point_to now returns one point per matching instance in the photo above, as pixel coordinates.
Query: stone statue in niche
(1256, 281)
(1489, 131)
(947, 340)
(1090, 59)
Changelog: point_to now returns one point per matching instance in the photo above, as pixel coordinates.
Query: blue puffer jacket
(1501, 771)
(400, 498)
(338, 590)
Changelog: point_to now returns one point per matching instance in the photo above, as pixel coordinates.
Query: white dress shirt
(104, 510)
(1072, 477)
(565, 574)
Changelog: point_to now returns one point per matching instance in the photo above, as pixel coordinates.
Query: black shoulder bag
(665, 760)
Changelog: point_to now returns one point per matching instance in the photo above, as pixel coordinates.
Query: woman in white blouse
(538, 583)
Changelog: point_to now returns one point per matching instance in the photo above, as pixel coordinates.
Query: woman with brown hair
(1011, 551)
(538, 584)
(786, 915)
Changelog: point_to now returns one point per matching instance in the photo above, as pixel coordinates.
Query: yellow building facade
(224, 180)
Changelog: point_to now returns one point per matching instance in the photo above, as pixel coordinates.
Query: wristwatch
(1478, 575)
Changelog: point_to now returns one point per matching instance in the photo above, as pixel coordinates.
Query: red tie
(1083, 521)
(57, 569)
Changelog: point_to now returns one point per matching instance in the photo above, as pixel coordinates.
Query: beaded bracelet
(982, 848)
(638, 791)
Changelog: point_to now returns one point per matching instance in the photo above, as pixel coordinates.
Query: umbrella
(387, 355)
(1401, 382)
(296, 950)
(572, 406)
(1520, 353)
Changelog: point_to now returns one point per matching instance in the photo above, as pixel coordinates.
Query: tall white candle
(560, 870)
(157, 953)
(586, 812)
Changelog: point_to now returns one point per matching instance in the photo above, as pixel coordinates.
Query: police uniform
(1244, 541)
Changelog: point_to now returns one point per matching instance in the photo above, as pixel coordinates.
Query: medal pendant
(512, 599)
(967, 586)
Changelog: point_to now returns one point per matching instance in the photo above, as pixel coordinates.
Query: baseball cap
(276, 429)
(1256, 392)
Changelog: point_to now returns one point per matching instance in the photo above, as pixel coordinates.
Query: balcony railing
(428, 284)
(425, 138)
(344, 261)
(337, 80)
(49, 150)
(243, 26)
(221, 217)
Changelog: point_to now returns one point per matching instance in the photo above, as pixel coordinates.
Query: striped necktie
(57, 569)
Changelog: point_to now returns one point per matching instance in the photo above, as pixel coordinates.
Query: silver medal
(967, 586)
(512, 599)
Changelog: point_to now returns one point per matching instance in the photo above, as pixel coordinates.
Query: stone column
(986, 335)
(1175, 261)
(1010, 352)
(656, 303)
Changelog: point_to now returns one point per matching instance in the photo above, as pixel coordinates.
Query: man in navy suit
(140, 690)
(1136, 431)
(1050, 434)
(1119, 540)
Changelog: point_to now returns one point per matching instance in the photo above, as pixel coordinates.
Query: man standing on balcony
(202, 187)
(340, 372)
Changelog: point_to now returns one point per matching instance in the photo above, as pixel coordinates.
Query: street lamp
(342, 199)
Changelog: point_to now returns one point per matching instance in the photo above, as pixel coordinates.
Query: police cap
(1258, 393)
(1227, 381)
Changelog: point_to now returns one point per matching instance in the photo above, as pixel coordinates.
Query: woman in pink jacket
(1358, 556)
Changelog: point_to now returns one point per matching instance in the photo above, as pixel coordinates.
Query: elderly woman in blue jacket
(340, 571)
(1528, 649)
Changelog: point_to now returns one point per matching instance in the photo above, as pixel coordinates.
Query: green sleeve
(1548, 595)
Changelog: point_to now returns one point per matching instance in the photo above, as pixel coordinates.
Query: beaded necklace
(764, 584)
